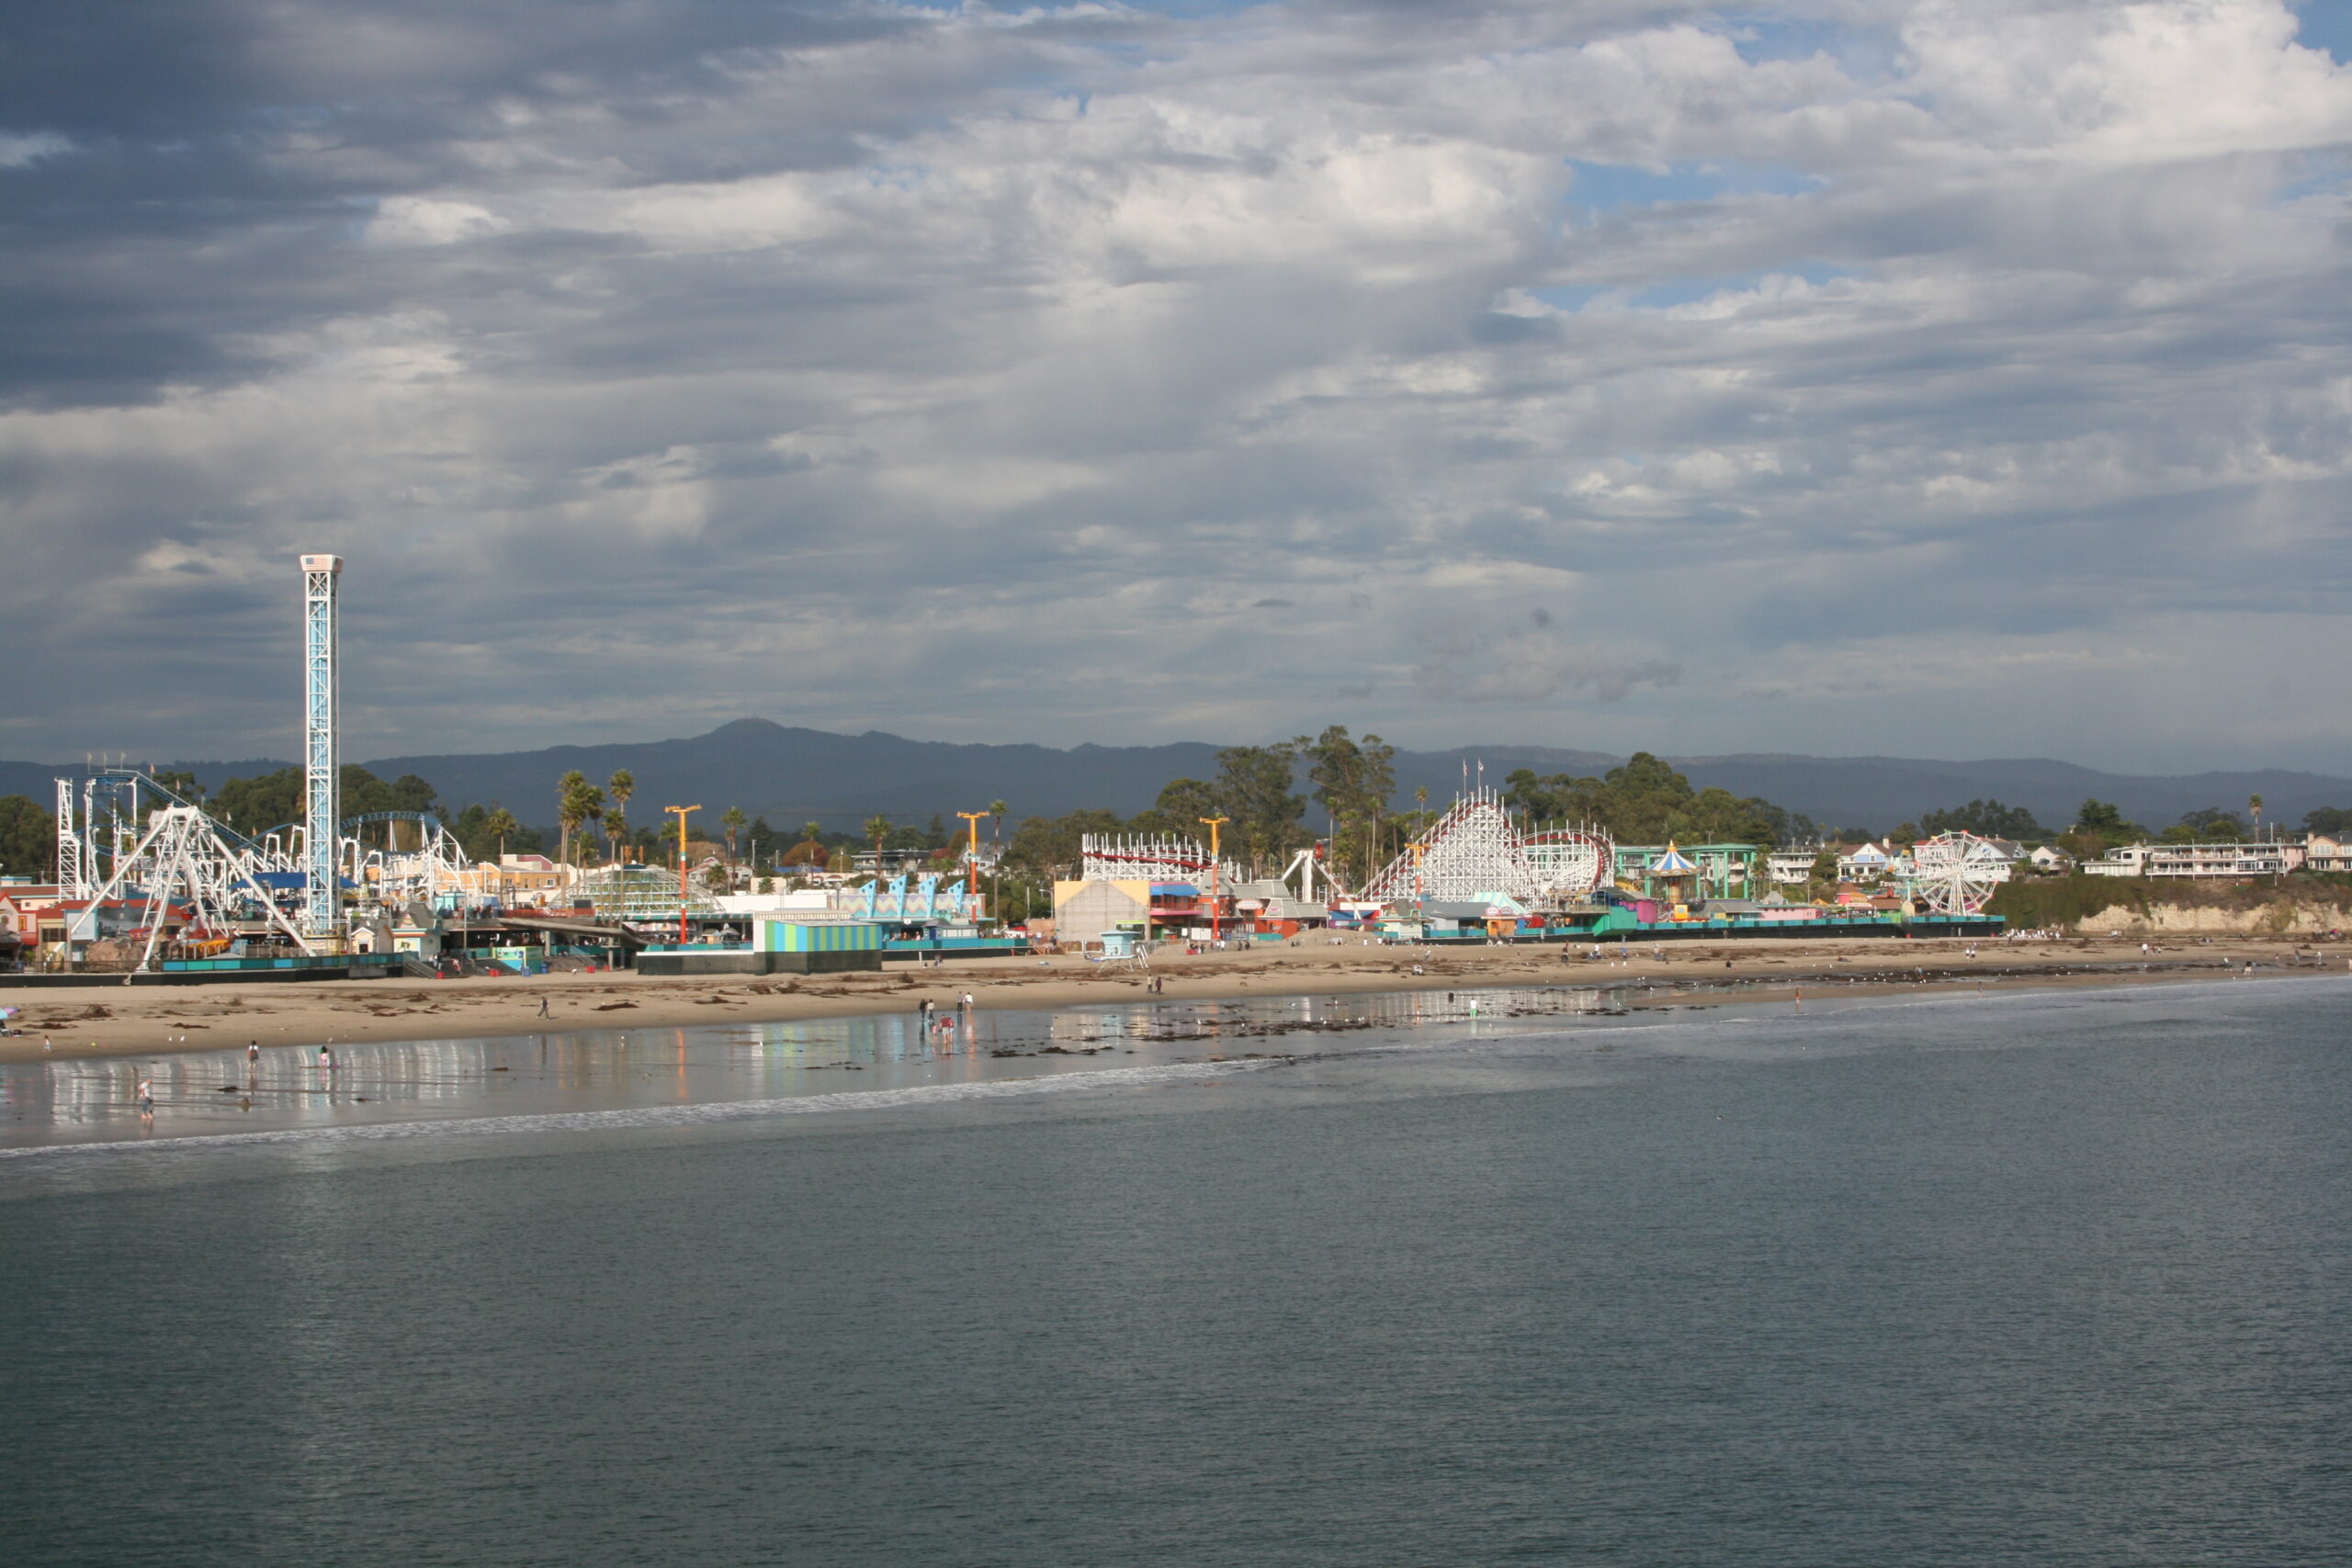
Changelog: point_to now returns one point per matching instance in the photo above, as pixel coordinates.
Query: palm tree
(621, 785)
(501, 825)
(733, 819)
(997, 808)
(2254, 804)
(569, 813)
(591, 805)
(877, 827)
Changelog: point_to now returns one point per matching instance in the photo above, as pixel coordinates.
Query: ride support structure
(182, 858)
(73, 872)
(321, 781)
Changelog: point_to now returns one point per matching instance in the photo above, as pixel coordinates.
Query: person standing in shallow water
(147, 1098)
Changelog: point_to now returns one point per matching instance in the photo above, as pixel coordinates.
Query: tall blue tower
(322, 780)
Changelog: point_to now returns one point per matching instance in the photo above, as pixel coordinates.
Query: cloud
(1529, 664)
(908, 366)
(16, 151)
(417, 220)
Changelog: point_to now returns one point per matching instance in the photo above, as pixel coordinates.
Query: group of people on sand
(941, 1023)
(253, 1066)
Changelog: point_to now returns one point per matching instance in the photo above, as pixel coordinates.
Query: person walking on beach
(147, 1100)
(543, 1006)
(326, 1057)
(253, 1050)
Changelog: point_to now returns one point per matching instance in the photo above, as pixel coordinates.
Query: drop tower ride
(322, 780)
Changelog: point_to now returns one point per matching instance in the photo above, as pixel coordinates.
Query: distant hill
(1879, 792)
(791, 775)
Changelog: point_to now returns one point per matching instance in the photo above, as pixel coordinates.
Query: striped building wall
(817, 936)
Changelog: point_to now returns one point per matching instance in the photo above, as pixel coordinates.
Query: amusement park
(1479, 873)
(152, 885)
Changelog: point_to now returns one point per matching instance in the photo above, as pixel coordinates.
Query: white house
(2196, 859)
(1868, 864)
(2222, 860)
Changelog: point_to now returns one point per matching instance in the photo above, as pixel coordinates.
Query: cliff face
(2280, 917)
(2136, 906)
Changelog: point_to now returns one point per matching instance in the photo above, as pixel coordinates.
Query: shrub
(2065, 901)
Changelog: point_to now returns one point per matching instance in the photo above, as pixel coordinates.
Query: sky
(1932, 378)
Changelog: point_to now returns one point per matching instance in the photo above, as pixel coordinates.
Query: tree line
(1265, 816)
(1647, 801)
(1263, 812)
(1258, 817)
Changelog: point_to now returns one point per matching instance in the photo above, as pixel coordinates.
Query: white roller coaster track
(1569, 863)
(1473, 849)
(1121, 857)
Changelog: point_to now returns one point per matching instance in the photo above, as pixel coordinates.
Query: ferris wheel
(1569, 863)
(1955, 874)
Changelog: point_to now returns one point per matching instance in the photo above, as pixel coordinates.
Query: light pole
(679, 812)
(972, 862)
(1216, 866)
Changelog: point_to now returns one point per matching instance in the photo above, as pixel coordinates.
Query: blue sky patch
(1667, 292)
(1605, 188)
(2325, 23)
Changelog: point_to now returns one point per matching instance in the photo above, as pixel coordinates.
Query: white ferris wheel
(1955, 874)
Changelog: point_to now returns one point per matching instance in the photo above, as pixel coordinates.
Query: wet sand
(102, 1020)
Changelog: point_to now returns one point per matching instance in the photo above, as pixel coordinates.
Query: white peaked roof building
(1868, 860)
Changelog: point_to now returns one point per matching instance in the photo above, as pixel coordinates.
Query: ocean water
(2041, 1279)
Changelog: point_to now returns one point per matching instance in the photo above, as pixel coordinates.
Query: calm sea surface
(2048, 1278)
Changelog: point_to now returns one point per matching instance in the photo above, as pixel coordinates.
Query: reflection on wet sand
(97, 1100)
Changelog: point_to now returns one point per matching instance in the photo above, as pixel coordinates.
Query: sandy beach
(106, 1019)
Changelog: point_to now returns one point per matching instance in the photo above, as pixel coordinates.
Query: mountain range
(792, 775)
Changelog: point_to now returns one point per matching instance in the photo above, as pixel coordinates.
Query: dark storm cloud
(135, 69)
(881, 365)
